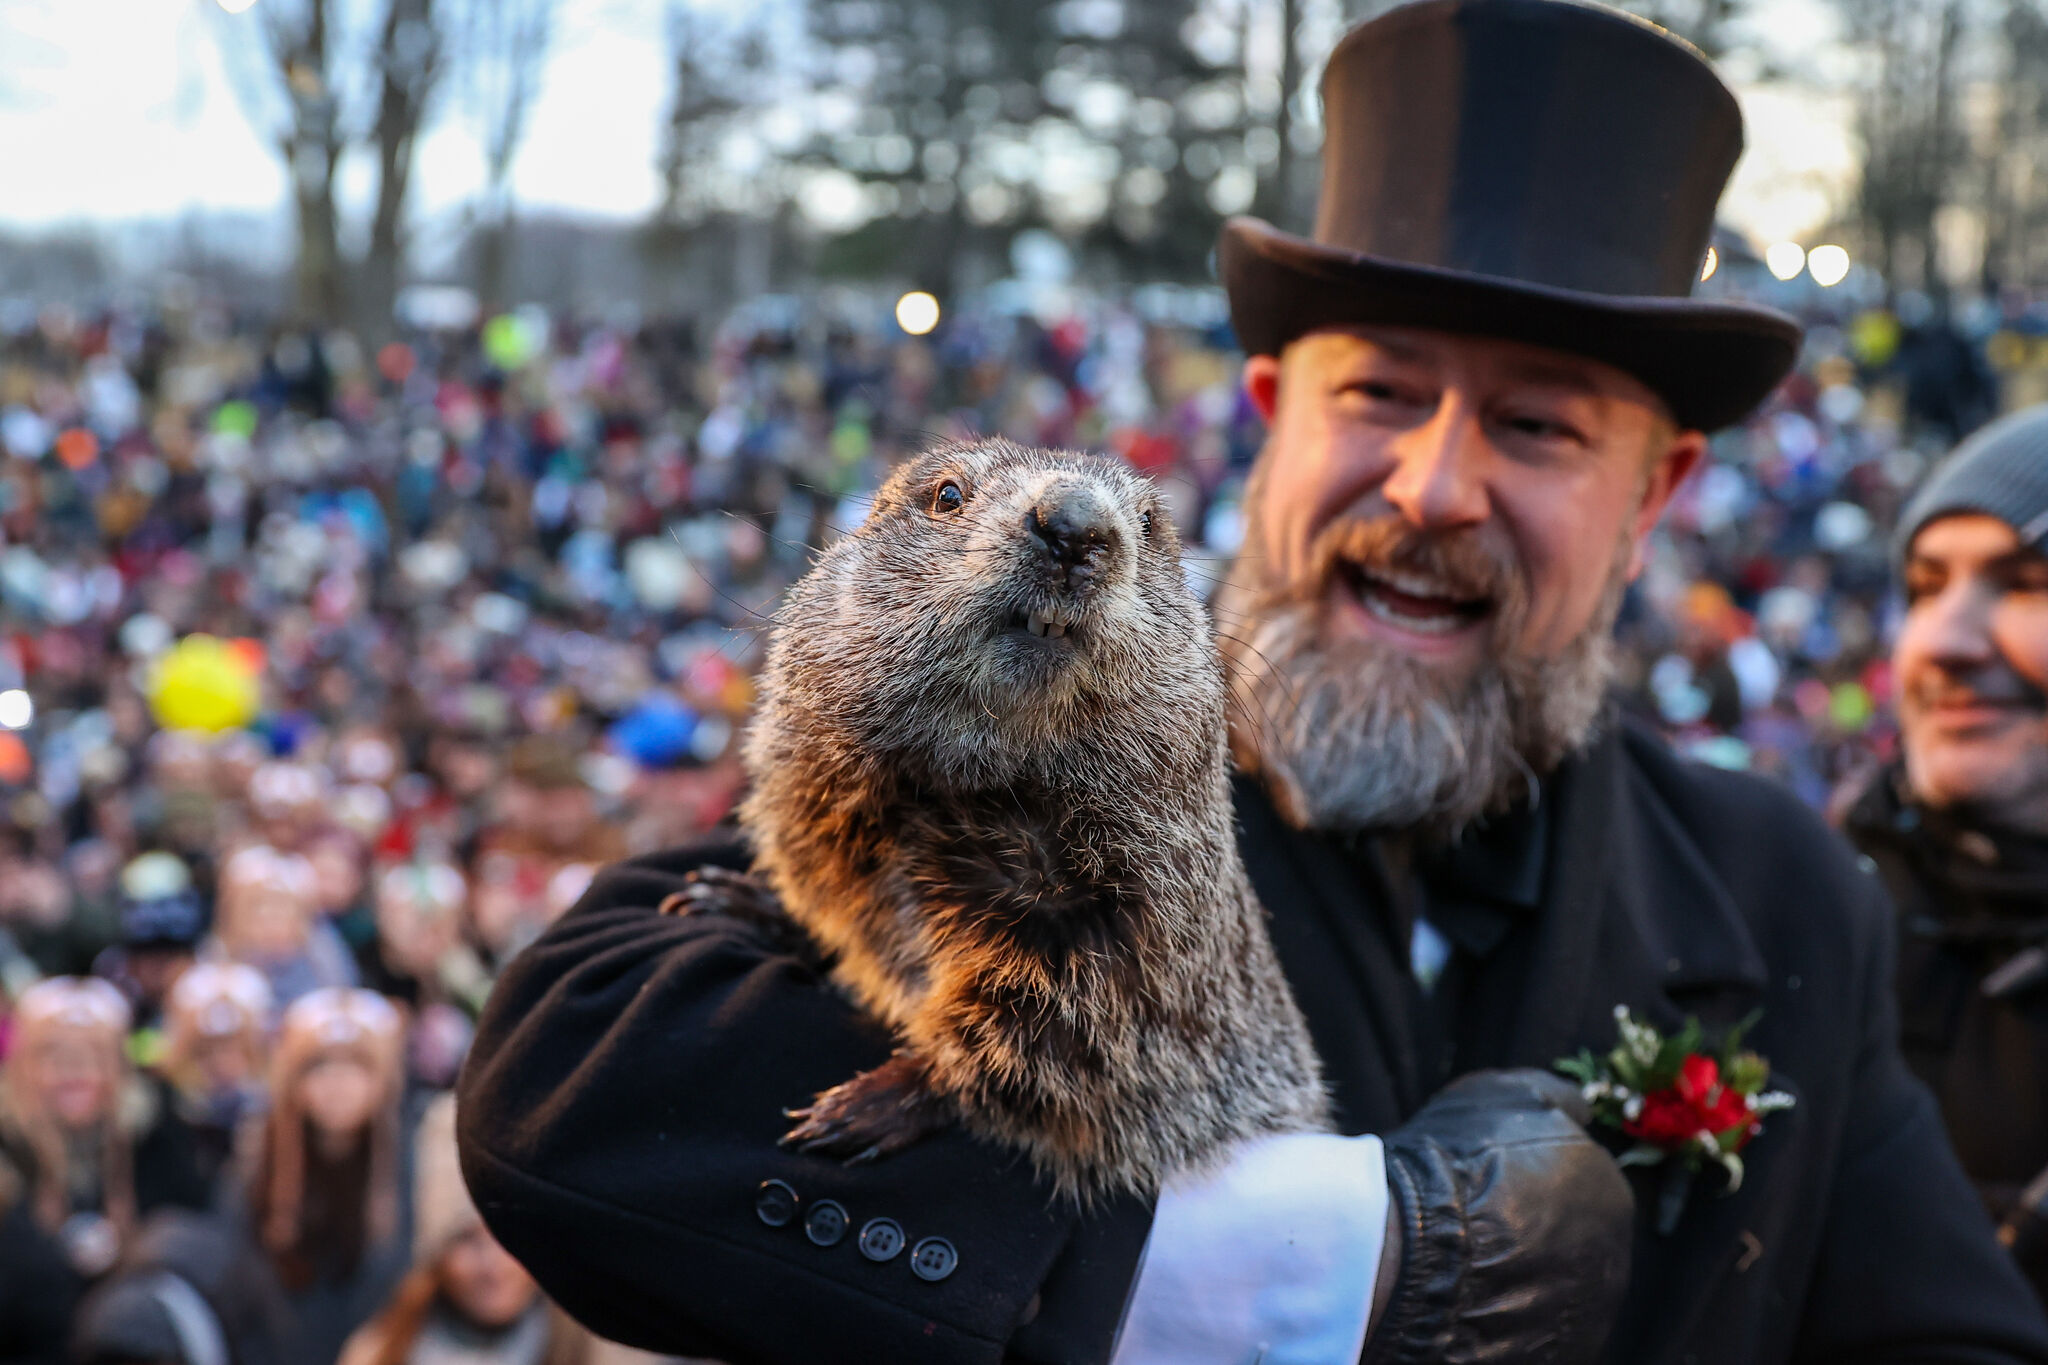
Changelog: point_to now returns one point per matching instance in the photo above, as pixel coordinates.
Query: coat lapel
(1633, 915)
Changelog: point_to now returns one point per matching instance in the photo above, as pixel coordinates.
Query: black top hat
(1538, 170)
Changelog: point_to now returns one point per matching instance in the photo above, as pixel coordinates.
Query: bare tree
(1907, 121)
(2015, 164)
(710, 71)
(504, 47)
(1276, 192)
(290, 82)
(410, 62)
(321, 78)
(718, 230)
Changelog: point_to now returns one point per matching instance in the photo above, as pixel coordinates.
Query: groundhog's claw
(722, 891)
(875, 1114)
(737, 896)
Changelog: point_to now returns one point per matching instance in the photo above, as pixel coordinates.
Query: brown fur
(1020, 856)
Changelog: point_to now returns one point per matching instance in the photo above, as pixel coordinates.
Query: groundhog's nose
(1076, 530)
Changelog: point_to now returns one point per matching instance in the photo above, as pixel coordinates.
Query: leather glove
(1515, 1227)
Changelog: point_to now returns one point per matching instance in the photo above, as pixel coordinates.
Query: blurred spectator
(267, 917)
(547, 811)
(340, 882)
(327, 1198)
(213, 1055)
(418, 954)
(91, 1145)
(1950, 389)
(162, 922)
(465, 1300)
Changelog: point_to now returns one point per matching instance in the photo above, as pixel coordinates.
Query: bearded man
(1483, 379)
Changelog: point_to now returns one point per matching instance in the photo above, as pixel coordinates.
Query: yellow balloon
(202, 684)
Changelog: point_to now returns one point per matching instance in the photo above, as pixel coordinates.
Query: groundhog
(989, 780)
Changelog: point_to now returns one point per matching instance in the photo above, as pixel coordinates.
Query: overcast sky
(116, 110)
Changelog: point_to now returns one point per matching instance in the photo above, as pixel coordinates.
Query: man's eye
(2027, 573)
(1373, 390)
(1544, 429)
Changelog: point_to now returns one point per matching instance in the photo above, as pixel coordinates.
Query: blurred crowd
(329, 675)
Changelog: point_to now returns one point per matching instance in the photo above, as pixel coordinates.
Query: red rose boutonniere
(1685, 1107)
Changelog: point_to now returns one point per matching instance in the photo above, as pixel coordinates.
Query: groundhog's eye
(1145, 522)
(949, 498)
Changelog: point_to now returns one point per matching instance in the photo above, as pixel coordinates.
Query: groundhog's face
(1006, 604)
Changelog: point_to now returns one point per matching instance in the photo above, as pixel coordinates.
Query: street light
(17, 709)
(1829, 265)
(917, 312)
(1785, 259)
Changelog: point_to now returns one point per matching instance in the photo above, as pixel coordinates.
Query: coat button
(881, 1238)
(775, 1202)
(933, 1259)
(825, 1224)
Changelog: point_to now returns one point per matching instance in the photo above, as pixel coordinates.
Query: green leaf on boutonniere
(1746, 1073)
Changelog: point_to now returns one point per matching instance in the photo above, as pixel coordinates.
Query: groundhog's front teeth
(1044, 626)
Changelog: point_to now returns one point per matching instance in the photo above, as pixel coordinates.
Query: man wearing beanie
(1958, 826)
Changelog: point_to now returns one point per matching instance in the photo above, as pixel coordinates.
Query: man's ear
(1262, 384)
(1683, 452)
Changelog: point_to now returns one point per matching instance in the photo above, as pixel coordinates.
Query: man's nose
(1439, 478)
(1954, 628)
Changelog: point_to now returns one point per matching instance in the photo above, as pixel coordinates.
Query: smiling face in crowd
(1437, 537)
(76, 1084)
(1972, 665)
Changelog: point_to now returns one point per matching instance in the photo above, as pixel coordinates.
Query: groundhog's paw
(874, 1114)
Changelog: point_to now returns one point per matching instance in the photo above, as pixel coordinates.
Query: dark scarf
(1985, 886)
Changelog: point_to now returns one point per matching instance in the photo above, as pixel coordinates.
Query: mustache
(1463, 564)
(1995, 686)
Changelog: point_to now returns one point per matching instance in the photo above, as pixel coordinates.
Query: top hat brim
(1712, 363)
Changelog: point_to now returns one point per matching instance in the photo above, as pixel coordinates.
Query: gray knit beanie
(2001, 471)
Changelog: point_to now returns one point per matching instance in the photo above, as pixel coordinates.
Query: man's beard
(1354, 734)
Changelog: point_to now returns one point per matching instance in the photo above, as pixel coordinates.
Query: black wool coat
(620, 1108)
